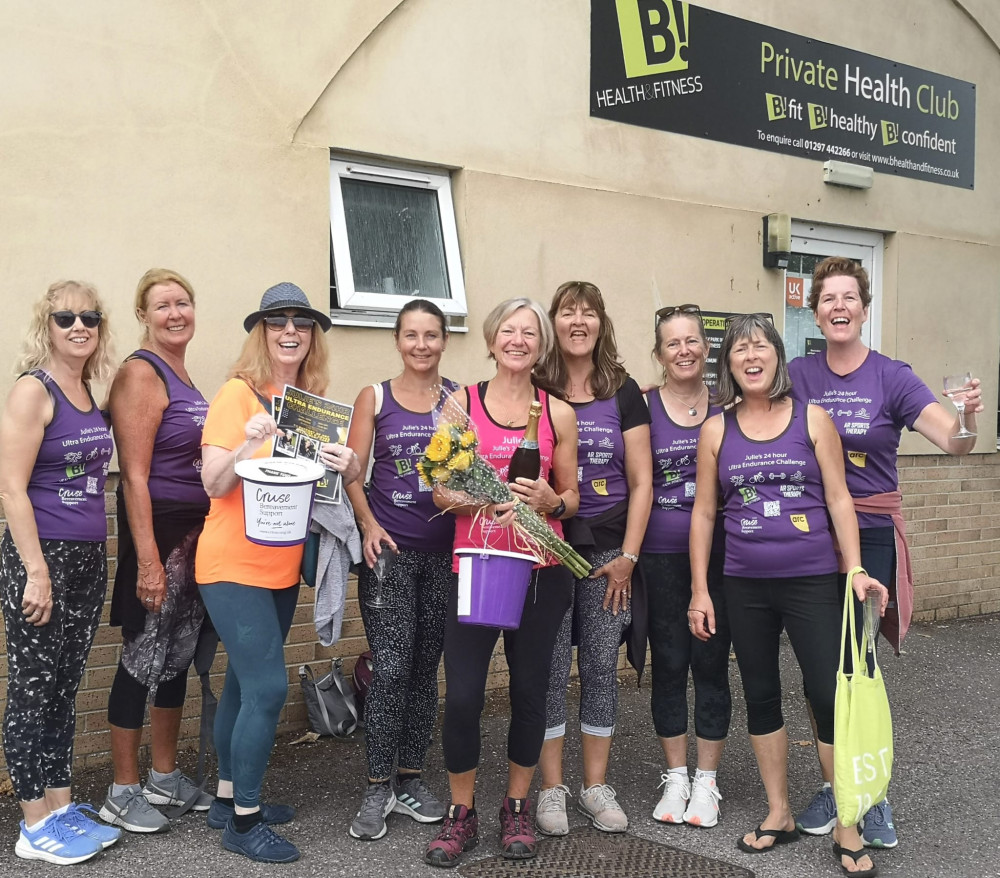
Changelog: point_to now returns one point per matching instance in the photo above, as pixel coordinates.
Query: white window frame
(356, 307)
(867, 247)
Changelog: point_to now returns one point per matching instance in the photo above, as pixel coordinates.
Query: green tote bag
(862, 733)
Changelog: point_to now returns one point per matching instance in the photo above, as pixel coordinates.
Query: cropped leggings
(467, 653)
(674, 649)
(808, 608)
(46, 663)
(252, 624)
(406, 640)
(599, 634)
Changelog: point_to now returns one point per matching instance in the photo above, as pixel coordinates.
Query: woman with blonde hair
(55, 451)
(251, 590)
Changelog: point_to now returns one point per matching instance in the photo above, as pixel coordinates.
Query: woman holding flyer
(407, 546)
(250, 590)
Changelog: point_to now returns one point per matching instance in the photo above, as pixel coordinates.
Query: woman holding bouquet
(398, 517)
(518, 334)
(616, 490)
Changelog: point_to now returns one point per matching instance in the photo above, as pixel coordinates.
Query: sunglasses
(670, 310)
(760, 315)
(67, 319)
(279, 322)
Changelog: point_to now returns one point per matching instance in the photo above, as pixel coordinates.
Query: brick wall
(952, 509)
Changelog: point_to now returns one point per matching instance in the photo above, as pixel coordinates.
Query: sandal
(839, 852)
(780, 836)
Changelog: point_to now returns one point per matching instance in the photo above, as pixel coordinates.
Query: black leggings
(406, 641)
(46, 663)
(807, 607)
(127, 702)
(674, 649)
(467, 653)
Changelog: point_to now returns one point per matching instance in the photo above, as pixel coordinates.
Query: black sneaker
(220, 813)
(261, 844)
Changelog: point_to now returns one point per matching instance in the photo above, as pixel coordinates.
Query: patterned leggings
(406, 640)
(600, 635)
(46, 663)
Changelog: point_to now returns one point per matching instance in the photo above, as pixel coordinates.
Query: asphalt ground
(945, 695)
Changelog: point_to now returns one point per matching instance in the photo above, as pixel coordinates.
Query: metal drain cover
(589, 853)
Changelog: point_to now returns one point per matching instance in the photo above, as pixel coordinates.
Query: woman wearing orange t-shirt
(250, 590)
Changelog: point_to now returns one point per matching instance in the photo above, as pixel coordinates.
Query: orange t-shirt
(224, 553)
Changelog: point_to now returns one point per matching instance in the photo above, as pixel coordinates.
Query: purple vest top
(775, 512)
(175, 468)
(398, 498)
(66, 488)
(674, 465)
(600, 456)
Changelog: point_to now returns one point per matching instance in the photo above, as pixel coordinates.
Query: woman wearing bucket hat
(616, 489)
(404, 614)
(249, 589)
(55, 450)
(518, 334)
(157, 414)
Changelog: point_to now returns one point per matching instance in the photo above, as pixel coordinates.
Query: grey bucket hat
(281, 297)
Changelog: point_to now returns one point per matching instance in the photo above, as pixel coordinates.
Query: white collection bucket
(277, 498)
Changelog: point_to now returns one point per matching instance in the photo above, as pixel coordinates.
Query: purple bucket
(492, 586)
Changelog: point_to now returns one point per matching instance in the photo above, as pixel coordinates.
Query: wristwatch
(633, 558)
(559, 510)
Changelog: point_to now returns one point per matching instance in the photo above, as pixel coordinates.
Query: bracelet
(633, 558)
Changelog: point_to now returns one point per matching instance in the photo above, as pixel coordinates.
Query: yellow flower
(440, 475)
(468, 439)
(424, 477)
(461, 461)
(439, 447)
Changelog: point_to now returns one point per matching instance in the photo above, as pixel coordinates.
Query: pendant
(692, 411)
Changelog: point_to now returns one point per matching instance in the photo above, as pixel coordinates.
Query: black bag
(329, 701)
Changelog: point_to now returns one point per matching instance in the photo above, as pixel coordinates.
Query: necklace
(692, 407)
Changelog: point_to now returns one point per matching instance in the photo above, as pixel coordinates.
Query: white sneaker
(673, 802)
(550, 812)
(703, 809)
(600, 805)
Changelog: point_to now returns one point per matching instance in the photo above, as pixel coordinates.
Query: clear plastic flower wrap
(451, 460)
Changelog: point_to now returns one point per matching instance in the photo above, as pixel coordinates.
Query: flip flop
(839, 852)
(780, 836)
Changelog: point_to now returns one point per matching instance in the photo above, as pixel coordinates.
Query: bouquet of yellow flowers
(450, 459)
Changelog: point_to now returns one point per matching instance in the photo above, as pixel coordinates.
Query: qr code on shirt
(92, 484)
(772, 508)
(689, 489)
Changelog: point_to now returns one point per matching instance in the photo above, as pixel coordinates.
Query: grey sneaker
(600, 805)
(414, 798)
(550, 812)
(177, 790)
(378, 801)
(131, 811)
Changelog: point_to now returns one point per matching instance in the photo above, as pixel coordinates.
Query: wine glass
(955, 388)
(383, 564)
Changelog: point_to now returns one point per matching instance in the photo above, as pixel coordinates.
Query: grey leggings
(46, 663)
(600, 635)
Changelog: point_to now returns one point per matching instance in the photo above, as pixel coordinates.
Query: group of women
(706, 519)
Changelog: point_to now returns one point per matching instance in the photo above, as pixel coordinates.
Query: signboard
(676, 67)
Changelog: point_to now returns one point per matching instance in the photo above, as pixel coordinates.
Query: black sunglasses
(66, 319)
(281, 321)
(762, 315)
(670, 310)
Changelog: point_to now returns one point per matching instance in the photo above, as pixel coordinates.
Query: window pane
(394, 233)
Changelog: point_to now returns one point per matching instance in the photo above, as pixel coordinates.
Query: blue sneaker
(878, 831)
(56, 843)
(76, 818)
(261, 844)
(220, 813)
(820, 816)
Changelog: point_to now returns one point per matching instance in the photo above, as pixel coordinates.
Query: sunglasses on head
(670, 310)
(66, 319)
(760, 315)
(281, 321)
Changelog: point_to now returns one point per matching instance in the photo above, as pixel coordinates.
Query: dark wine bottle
(526, 461)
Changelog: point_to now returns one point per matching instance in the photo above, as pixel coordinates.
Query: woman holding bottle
(615, 474)
(518, 334)
(398, 520)
(678, 409)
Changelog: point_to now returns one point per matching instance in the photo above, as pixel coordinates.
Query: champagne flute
(383, 564)
(955, 388)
